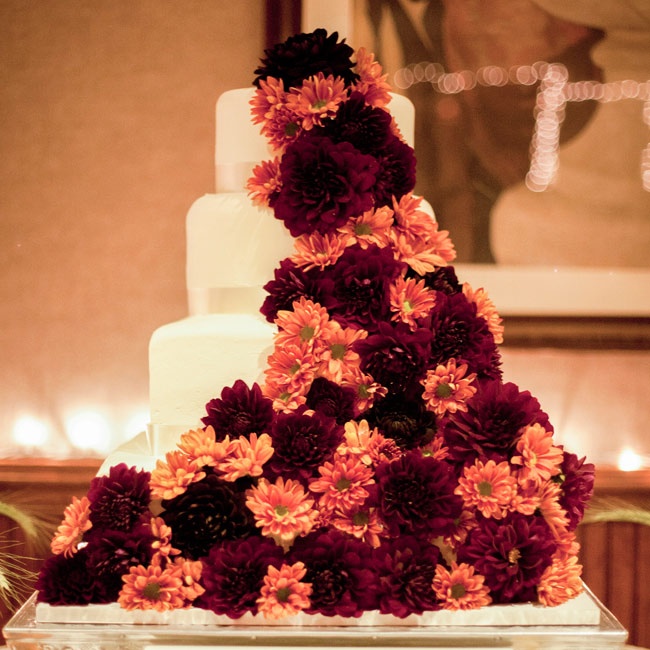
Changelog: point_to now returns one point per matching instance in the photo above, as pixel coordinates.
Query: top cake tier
(240, 145)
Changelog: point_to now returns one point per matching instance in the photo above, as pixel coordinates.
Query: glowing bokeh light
(30, 431)
(629, 460)
(89, 430)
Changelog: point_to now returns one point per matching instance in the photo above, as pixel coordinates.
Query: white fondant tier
(192, 360)
(233, 247)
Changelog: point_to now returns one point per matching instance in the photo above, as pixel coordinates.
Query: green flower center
(152, 591)
(458, 590)
(338, 351)
(319, 104)
(342, 484)
(294, 368)
(485, 488)
(363, 391)
(362, 229)
(281, 510)
(360, 518)
(443, 391)
(291, 129)
(283, 594)
(307, 332)
(407, 307)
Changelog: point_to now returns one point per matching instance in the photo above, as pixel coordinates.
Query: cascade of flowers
(383, 464)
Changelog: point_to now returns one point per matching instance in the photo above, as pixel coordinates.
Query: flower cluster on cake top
(383, 464)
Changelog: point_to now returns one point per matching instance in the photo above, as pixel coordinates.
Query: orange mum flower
(539, 458)
(269, 105)
(316, 251)
(409, 300)
(367, 389)
(446, 389)
(247, 457)
(302, 325)
(372, 227)
(200, 445)
(463, 525)
(152, 588)
(162, 543)
(460, 588)
(76, 521)
(335, 352)
(283, 593)
(372, 82)
(369, 446)
(409, 218)
(317, 99)
(171, 478)
(488, 487)
(291, 369)
(560, 582)
(285, 401)
(436, 449)
(282, 509)
(265, 182)
(190, 573)
(362, 523)
(342, 483)
(554, 514)
(485, 309)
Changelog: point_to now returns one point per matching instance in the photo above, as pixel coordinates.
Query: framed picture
(530, 141)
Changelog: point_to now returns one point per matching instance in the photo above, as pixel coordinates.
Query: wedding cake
(353, 453)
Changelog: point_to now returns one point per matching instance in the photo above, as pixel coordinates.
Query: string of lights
(553, 93)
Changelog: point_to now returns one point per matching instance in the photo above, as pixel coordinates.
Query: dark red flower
(112, 553)
(577, 480)
(458, 333)
(233, 574)
(338, 568)
(367, 128)
(239, 411)
(70, 581)
(331, 399)
(396, 174)
(490, 427)
(402, 418)
(323, 185)
(304, 55)
(208, 512)
(301, 443)
(416, 495)
(443, 279)
(511, 553)
(360, 287)
(405, 569)
(120, 500)
(291, 283)
(395, 356)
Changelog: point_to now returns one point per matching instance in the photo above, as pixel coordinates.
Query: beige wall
(106, 136)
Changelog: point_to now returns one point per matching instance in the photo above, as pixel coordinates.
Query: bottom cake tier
(584, 623)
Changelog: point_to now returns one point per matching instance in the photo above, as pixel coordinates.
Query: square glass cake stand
(24, 632)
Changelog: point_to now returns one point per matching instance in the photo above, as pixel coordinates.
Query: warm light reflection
(136, 423)
(89, 431)
(629, 460)
(30, 432)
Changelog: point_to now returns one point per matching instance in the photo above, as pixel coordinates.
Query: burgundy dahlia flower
(291, 283)
(70, 581)
(239, 411)
(359, 289)
(395, 356)
(396, 174)
(577, 487)
(304, 55)
(120, 500)
(443, 279)
(233, 575)
(491, 426)
(458, 333)
(511, 553)
(339, 570)
(331, 399)
(415, 494)
(301, 444)
(323, 185)
(405, 568)
(208, 512)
